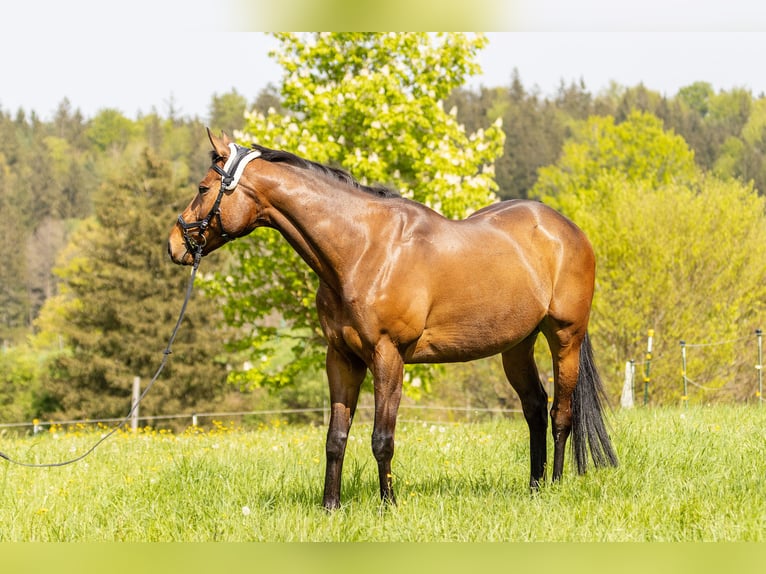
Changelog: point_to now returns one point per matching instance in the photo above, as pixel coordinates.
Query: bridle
(230, 173)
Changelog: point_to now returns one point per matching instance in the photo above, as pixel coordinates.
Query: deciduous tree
(372, 104)
(678, 251)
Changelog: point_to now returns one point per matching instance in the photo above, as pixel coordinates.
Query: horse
(399, 283)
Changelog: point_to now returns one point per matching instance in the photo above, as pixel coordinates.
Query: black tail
(588, 428)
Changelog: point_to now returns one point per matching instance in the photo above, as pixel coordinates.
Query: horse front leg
(388, 371)
(345, 376)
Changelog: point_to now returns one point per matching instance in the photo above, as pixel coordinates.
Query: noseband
(230, 174)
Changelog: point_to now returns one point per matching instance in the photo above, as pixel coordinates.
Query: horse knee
(383, 446)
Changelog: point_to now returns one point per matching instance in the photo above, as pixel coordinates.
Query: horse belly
(474, 335)
(479, 308)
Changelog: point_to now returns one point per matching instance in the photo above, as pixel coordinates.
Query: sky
(138, 63)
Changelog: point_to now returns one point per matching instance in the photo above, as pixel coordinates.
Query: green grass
(685, 475)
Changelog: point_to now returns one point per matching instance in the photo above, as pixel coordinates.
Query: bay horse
(400, 283)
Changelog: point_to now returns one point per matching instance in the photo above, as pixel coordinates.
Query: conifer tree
(120, 296)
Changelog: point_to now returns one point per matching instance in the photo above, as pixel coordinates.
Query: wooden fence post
(134, 404)
(759, 366)
(626, 399)
(648, 364)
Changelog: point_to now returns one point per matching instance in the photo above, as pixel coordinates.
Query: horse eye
(203, 189)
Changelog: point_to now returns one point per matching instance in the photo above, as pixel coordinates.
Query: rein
(166, 354)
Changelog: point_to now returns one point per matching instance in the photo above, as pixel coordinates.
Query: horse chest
(361, 325)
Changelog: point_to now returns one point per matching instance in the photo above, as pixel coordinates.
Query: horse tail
(588, 428)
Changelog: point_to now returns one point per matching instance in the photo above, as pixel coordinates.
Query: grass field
(696, 474)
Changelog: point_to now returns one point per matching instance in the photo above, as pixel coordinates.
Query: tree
(697, 96)
(227, 111)
(41, 249)
(110, 130)
(708, 120)
(535, 132)
(678, 251)
(119, 298)
(17, 207)
(372, 104)
(743, 155)
(19, 384)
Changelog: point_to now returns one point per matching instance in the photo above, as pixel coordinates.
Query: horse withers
(399, 283)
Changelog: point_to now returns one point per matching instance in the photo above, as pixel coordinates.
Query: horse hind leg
(565, 375)
(521, 372)
(577, 403)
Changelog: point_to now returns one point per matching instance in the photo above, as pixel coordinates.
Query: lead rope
(166, 353)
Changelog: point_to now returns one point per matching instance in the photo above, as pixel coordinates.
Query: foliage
(110, 130)
(20, 370)
(227, 111)
(372, 104)
(534, 130)
(51, 171)
(678, 251)
(42, 185)
(685, 476)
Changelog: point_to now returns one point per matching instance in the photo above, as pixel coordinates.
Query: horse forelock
(337, 174)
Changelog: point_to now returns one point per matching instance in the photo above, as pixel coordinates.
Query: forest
(668, 187)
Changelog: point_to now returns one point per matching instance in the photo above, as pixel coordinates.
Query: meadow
(685, 475)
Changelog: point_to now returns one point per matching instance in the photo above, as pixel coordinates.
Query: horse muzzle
(177, 248)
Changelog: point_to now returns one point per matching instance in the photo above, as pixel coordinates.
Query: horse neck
(322, 220)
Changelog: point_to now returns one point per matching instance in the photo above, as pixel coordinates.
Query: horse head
(222, 210)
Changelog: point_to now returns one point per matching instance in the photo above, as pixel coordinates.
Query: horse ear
(220, 145)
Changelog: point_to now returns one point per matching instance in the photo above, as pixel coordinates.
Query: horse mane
(280, 156)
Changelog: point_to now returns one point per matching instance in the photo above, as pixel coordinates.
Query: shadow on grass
(237, 484)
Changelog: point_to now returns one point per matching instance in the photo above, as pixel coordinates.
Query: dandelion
(245, 511)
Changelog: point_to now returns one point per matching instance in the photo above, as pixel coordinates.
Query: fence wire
(194, 417)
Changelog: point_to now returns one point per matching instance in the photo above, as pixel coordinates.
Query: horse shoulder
(331, 315)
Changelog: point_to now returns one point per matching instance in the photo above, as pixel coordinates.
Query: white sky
(663, 61)
(139, 62)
